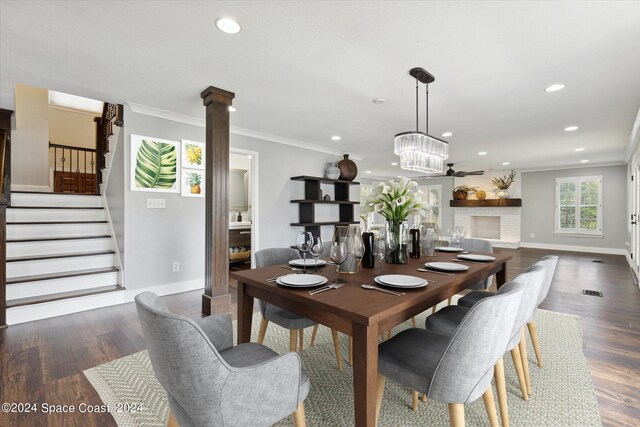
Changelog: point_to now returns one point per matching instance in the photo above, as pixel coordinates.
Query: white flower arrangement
(395, 200)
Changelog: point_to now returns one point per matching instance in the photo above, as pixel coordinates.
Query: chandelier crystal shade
(420, 151)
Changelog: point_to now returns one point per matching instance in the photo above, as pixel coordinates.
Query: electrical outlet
(156, 203)
(176, 266)
(533, 236)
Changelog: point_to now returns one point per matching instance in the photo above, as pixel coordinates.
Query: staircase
(59, 249)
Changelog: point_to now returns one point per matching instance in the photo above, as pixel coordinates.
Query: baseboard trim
(636, 275)
(35, 188)
(47, 310)
(572, 248)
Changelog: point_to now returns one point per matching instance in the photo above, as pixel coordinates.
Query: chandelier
(420, 151)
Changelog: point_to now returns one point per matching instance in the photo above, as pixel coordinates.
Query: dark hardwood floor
(43, 361)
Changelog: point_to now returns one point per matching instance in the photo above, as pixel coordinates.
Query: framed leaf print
(192, 183)
(192, 154)
(154, 164)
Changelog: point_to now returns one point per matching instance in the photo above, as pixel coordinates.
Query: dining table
(360, 313)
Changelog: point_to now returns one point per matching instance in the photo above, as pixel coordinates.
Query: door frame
(253, 199)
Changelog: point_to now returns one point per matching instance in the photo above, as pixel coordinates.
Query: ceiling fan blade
(475, 173)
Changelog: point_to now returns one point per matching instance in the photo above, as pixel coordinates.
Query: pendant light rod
(417, 129)
(426, 107)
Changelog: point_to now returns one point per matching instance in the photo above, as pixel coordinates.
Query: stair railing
(5, 200)
(74, 169)
(112, 114)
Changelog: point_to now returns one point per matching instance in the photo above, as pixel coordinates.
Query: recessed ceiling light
(228, 25)
(379, 100)
(367, 171)
(446, 134)
(579, 149)
(505, 163)
(570, 128)
(584, 161)
(394, 163)
(335, 138)
(399, 176)
(482, 153)
(554, 87)
(232, 108)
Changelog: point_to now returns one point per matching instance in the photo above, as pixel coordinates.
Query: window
(579, 205)
(432, 195)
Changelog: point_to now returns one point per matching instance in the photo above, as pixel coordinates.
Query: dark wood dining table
(362, 314)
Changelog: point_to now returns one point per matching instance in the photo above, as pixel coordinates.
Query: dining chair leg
(501, 389)
(313, 335)
(299, 419)
(424, 397)
(414, 397)
(301, 338)
(413, 321)
(293, 340)
(533, 332)
(336, 346)
(525, 360)
(456, 414)
(490, 407)
(350, 351)
(263, 330)
(171, 420)
(517, 363)
(449, 300)
(381, 382)
(433, 309)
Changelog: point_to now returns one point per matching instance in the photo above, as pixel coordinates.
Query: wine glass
(304, 242)
(316, 251)
(380, 250)
(338, 254)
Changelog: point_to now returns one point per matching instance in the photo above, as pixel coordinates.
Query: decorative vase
(351, 236)
(348, 169)
(396, 242)
(332, 171)
(502, 194)
(481, 195)
(460, 195)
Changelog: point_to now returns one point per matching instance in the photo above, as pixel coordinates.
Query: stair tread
(55, 207)
(63, 275)
(53, 239)
(54, 222)
(62, 255)
(63, 295)
(55, 194)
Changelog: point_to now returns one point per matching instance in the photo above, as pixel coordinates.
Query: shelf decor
(395, 201)
(504, 183)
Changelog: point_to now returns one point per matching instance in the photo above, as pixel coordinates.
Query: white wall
(30, 139)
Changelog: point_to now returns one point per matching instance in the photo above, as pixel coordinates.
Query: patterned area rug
(563, 394)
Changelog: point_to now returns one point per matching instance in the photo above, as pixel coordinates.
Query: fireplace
(485, 227)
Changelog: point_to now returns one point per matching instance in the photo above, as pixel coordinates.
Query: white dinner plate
(477, 257)
(301, 280)
(400, 281)
(449, 249)
(446, 266)
(309, 262)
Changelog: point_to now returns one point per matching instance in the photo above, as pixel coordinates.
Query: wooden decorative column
(216, 296)
(5, 200)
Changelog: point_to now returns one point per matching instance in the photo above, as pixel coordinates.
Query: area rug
(563, 393)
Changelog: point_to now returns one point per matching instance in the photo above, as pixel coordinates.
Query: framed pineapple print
(192, 154)
(154, 164)
(192, 183)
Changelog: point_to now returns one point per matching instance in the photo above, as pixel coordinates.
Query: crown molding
(581, 166)
(634, 138)
(196, 121)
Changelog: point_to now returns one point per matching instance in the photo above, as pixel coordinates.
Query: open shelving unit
(306, 206)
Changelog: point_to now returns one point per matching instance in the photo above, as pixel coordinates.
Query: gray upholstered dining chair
(208, 381)
(454, 369)
(550, 263)
(294, 322)
(446, 321)
(476, 245)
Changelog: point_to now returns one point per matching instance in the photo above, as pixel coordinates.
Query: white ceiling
(309, 70)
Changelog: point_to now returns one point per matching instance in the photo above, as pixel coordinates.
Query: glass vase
(397, 249)
(352, 238)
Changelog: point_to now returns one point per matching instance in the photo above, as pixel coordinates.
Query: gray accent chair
(294, 322)
(550, 263)
(208, 381)
(454, 369)
(446, 321)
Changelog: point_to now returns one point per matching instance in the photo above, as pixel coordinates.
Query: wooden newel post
(216, 285)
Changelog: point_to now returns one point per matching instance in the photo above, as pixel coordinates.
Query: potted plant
(503, 184)
(460, 192)
(193, 181)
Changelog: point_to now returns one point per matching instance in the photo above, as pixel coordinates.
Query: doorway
(243, 207)
(635, 210)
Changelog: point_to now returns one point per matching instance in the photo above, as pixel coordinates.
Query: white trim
(581, 166)
(28, 313)
(634, 138)
(573, 248)
(196, 121)
(113, 145)
(36, 188)
(632, 266)
(255, 191)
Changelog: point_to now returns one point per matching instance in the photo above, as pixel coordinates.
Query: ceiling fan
(451, 172)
